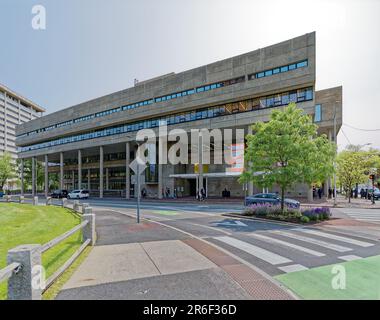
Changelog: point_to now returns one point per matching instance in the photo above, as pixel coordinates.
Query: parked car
(59, 194)
(376, 193)
(79, 194)
(272, 198)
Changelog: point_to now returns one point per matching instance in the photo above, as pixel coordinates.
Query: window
(302, 64)
(318, 113)
(301, 95)
(270, 102)
(293, 96)
(309, 94)
(292, 66)
(285, 99)
(260, 75)
(284, 69)
(277, 70)
(268, 73)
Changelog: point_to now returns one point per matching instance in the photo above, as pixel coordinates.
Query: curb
(236, 215)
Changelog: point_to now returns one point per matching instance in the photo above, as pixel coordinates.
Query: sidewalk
(150, 261)
(342, 202)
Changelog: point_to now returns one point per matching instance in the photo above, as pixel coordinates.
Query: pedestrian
(362, 193)
(320, 193)
(203, 192)
(330, 193)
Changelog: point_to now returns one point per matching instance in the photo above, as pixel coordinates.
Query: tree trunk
(282, 199)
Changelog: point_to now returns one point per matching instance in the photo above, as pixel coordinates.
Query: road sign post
(138, 168)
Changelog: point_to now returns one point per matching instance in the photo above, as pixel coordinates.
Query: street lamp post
(335, 202)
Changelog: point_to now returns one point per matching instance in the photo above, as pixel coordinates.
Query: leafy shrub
(260, 209)
(266, 210)
(315, 214)
(304, 219)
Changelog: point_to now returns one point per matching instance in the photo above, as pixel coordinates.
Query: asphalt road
(275, 248)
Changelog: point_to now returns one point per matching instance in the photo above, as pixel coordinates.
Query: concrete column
(61, 170)
(79, 169)
(24, 284)
(101, 176)
(33, 176)
(89, 229)
(22, 177)
(89, 179)
(160, 175)
(107, 179)
(46, 175)
(200, 160)
(250, 183)
(127, 172)
(310, 195)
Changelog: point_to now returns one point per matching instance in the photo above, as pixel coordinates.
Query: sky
(91, 48)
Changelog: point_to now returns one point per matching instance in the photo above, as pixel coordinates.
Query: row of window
(176, 95)
(141, 103)
(274, 71)
(206, 113)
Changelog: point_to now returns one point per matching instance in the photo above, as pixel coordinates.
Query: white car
(78, 194)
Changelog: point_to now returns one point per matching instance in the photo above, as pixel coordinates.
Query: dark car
(376, 193)
(59, 194)
(272, 198)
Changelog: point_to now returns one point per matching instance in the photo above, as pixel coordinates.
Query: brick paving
(254, 283)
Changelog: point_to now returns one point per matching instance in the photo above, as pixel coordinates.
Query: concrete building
(14, 110)
(92, 144)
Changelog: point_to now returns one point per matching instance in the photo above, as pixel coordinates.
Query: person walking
(320, 193)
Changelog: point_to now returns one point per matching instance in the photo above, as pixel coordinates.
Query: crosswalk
(369, 215)
(297, 249)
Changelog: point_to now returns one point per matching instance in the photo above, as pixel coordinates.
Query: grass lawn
(362, 281)
(27, 224)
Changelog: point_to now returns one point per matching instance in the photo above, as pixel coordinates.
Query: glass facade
(141, 103)
(280, 99)
(277, 70)
(318, 113)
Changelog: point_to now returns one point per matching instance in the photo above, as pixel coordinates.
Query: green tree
(351, 170)
(287, 150)
(40, 174)
(7, 169)
(354, 166)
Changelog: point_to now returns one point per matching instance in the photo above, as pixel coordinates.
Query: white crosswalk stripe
(366, 216)
(338, 238)
(349, 258)
(260, 253)
(293, 268)
(286, 244)
(316, 242)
